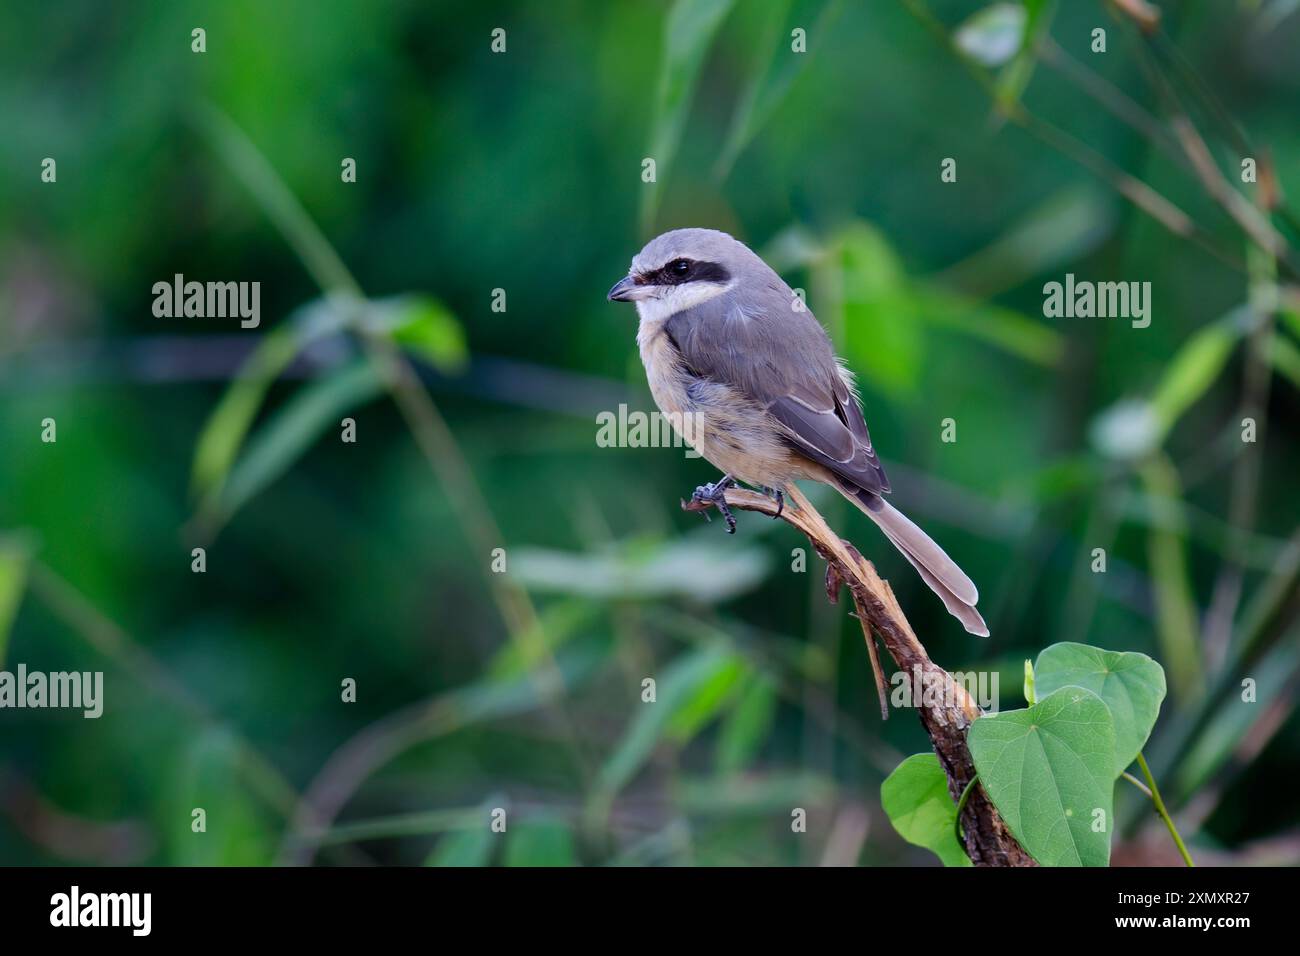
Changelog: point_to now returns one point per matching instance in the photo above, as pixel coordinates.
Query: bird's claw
(779, 495)
(715, 494)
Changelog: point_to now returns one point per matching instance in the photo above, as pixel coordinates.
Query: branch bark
(945, 708)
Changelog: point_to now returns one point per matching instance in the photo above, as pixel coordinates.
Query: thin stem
(961, 805)
(432, 435)
(1137, 783)
(1136, 191)
(1160, 809)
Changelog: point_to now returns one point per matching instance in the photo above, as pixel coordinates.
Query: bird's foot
(715, 494)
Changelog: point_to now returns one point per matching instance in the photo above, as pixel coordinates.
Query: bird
(750, 380)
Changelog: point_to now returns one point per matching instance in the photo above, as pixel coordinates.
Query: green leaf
(688, 33)
(1131, 685)
(541, 843)
(993, 35)
(424, 327)
(916, 799)
(293, 429)
(883, 331)
(15, 558)
(1193, 370)
(463, 848)
(1050, 771)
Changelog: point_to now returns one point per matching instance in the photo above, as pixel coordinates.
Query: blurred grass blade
(746, 727)
(471, 847)
(1004, 329)
(1194, 369)
(757, 794)
(689, 691)
(774, 72)
(289, 433)
(1286, 359)
(15, 558)
(702, 571)
(557, 623)
(707, 701)
(209, 777)
(277, 201)
(1230, 727)
(404, 824)
(495, 698)
(539, 843)
(224, 432)
(419, 324)
(1063, 228)
(688, 33)
(1015, 76)
(1176, 614)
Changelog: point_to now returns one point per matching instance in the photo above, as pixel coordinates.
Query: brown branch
(944, 706)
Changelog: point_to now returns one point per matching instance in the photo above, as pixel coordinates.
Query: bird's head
(682, 268)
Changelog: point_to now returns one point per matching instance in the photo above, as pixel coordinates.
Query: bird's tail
(939, 571)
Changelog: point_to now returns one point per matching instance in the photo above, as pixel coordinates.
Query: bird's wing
(782, 360)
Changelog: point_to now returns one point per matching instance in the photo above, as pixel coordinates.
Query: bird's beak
(626, 290)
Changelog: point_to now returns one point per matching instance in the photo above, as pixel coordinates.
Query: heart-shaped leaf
(916, 798)
(1131, 685)
(1049, 769)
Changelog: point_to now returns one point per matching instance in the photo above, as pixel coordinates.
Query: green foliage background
(522, 171)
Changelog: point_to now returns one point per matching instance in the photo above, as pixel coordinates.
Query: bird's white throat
(658, 309)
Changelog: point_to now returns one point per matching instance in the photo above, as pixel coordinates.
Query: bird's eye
(679, 268)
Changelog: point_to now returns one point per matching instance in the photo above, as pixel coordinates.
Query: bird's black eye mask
(679, 271)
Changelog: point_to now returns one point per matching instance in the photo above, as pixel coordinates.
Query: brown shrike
(748, 377)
